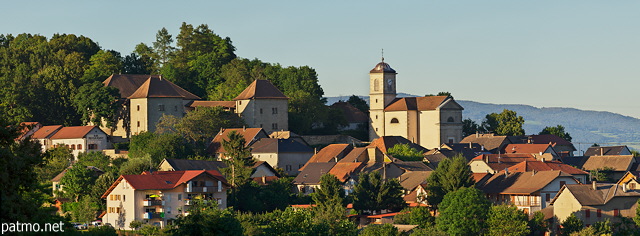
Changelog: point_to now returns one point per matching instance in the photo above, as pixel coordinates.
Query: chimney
(477, 134)
(594, 185)
(624, 188)
(470, 147)
(244, 128)
(542, 160)
(264, 179)
(529, 140)
(506, 172)
(315, 151)
(601, 151)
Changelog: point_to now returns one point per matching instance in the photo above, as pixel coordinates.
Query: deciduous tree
(507, 220)
(571, 224)
(450, 175)
(374, 194)
(462, 212)
(557, 131)
(405, 152)
(506, 123)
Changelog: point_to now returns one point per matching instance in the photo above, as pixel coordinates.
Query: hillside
(586, 127)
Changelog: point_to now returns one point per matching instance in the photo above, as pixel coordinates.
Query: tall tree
(469, 127)
(162, 46)
(97, 103)
(329, 198)
(637, 217)
(103, 64)
(420, 216)
(571, 224)
(557, 131)
(450, 175)
(205, 218)
(55, 161)
(506, 123)
(77, 181)
(359, 103)
(374, 194)
(462, 212)
(507, 220)
(383, 229)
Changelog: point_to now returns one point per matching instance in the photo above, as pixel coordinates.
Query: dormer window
(161, 107)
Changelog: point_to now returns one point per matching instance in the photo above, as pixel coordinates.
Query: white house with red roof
(80, 139)
(158, 198)
(43, 135)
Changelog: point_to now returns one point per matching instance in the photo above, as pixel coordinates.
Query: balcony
(148, 202)
(210, 189)
(153, 215)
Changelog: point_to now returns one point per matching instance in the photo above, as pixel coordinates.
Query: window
(599, 213)
(394, 121)
(288, 167)
(451, 140)
(260, 110)
(376, 100)
(161, 107)
(240, 102)
(92, 146)
(450, 120)
(274, 126)
(175, 108)
(73, 146)
(587, 213)
(168, 210)
(179, 197)
(274, 110)
(66, 145)
(138, 123)
(632, 185)
(616, 212)
(79, 146)
(376, 86)
(138, 108)
(548, 197)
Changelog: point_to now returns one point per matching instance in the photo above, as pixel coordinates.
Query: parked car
(96, 223)
(79, 226)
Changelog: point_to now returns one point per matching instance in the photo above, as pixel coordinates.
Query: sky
(547, 53)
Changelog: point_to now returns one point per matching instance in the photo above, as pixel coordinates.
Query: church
(428, 121)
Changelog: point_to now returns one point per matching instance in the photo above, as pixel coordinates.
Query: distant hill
(586, 127)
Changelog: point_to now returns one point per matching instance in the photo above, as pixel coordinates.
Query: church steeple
(382, 91)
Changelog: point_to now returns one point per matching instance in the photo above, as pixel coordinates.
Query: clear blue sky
(547, 53)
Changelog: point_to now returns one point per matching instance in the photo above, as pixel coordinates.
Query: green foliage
(102, 231)
(97, 159)
(137, 165)
(205, 218)
(85, 210)
(557, 131)
(469, 127)
(571, 224)
(55, 161)
(135, 224)
(588, 231)
(101, 185)
(537, 224)
(405, 152)
(97, 103)
(373, 194)
(450, 175)
(304, 222)
(252, 197)
(603, 227)
(420, 216)
(506, 123)
(462, 212)
(159, 146)
(507, 220)
(359, 103)
(604, 174)
(377, 230)
(102, 65)
(149, 230)
(20, 193)
(162, 46)
(429, 231)
(329, 198)
(77, 181)
(637, 217)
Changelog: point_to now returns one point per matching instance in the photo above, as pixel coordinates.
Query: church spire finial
(383, 55)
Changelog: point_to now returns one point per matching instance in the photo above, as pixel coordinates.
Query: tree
(55, 161)
(506, 123)
(420, 216)
(329, 198)
(602, 227)
(85, 210)
(159, 146)
(450, 175)
(137, 165)
(507, 220)
(537, 224)
(359, 103)
(77, 181)
(376, 230)
(205, 218)
(303, 222)
(162, 46)
(97, 159)
(571, 224)
(637, 217)
(405, 152)
(135, 224)
(97, 103)
(557, 131)
(469, 127)
(103, 64)
(604, 174)
(373, 194)
(238, 157)
(462, 212)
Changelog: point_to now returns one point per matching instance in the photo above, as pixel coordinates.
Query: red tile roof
(26, 127)
(330, 153)
(526, 148)
(526, 166)
(261, 89)
(46, 131)
(156, 87)
(343, 170)
(416, 103)
(127, 83)
(164, 179)
(74, 132)
(250, 135)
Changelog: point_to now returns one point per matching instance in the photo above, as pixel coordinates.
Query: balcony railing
(153, 215)
(209, 189)
(153, 203)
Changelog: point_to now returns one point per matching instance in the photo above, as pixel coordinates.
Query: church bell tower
(382, 91)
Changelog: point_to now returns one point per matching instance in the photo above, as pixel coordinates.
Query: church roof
(128, 83)
(261, 89)
(417, 103)
(156, 87)
(382, 67)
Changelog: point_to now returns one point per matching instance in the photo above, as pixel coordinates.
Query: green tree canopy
(405, 152)
(469, 127)
(506, 123)
(359, 103)
(374, 194)
(571, 224)
(159, 146)
(377, 230)
(507, 220)
(462, 212)
(329, 198)
(77, 182)
(205, 218)
(97, 103)
(55, 161)
(557, 131)
(450, 175)
(420, 216)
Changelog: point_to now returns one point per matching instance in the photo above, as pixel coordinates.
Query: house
(43, 135)
(81, 139)
(331, 153)
(597, 201)
(563, 147)
(158, 198)
(607, 151)
(309, 178)
(529, 191)
(355, 118)
(288, 154)
(492, 163)
(262, 171)
(527, 166)
(428, 121)
(618, 164)
(146, 98)
(384, 143)
(489, 142)
(27, 129)
(251, 135)
(530, 148)
(262, 105)
(449, 150)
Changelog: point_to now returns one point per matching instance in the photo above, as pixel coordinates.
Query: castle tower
(382, 91)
